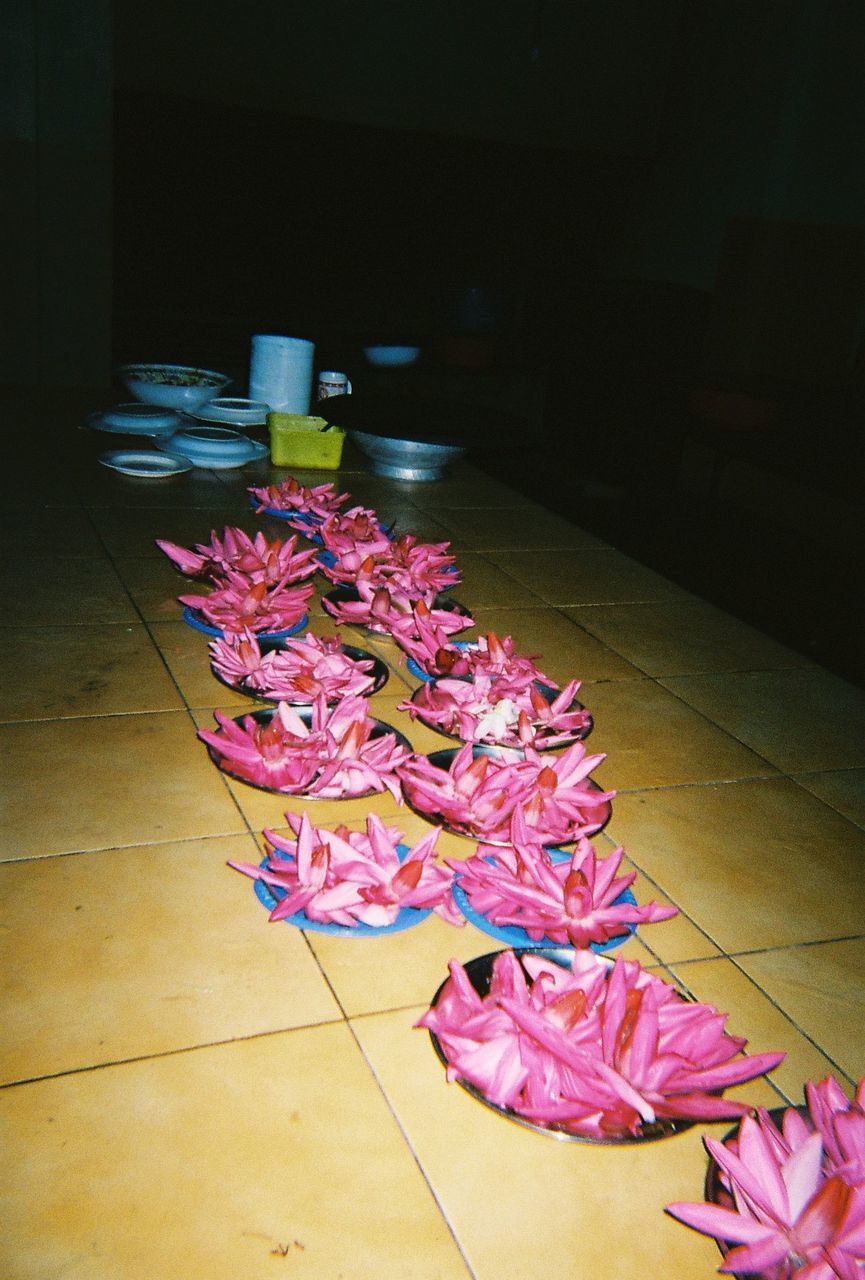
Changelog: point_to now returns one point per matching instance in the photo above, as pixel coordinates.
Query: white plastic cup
(280, 372)
(333, 383)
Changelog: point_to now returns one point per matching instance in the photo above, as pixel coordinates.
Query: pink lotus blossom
(347, 878)
(332, 754)
(301, 670)
(317, 501)
(429, 646)
(568, 901)
(487, 709)
(418, 570)
(357, 531)
(596, 1051)
(236, 604)
(381, 609)
(477, 794)
(793, 1198)
(259, 559)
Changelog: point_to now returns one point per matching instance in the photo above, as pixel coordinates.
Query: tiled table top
(192, 1092)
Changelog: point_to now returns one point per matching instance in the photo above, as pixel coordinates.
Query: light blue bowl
(391, 357)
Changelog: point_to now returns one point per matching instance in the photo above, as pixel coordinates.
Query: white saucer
(232, 411)
(214, 454)
(152, 466)
(135, 420)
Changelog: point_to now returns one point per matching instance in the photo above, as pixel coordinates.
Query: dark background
(651, 214)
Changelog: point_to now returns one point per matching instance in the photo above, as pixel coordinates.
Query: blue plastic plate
(194, 619)
(407, 918)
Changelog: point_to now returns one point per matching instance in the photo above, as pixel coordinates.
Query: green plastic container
(297, 440)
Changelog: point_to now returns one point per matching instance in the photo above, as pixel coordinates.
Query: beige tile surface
(843, 789)
(160, 947)
(486, 585)
(134, 532)
(685, 637)
(102, 782)
(552, 1200)
(250, 1159)
(796, 719)
(58, 671)
(586, 577)
(41, 592)
(754, 864)
(822, 988)
(653, 739)
(61, 532)
(757, 1016)
(563, 649)
(494, 529)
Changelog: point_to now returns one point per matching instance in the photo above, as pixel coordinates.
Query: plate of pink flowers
(296, 670)
(319, 752)
(474, 791)
(573, 1046)
(526, 895)
(785, 1191)
(490, 710)
(380, 609)
(349, 883)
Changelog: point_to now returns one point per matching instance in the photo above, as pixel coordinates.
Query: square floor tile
(563, 649)
(485, 585)
(100, 782)
(159, 949)
(586, 577)
(49, 532)
(653, 739)
(155, 585)
(131, 532)
(685, 637)
(766, 1027)
(601, 1208)
(501, 528)
(750, 861)
(45, 592)
(800, 720)
(843, 789)
(256, 1159)
(821, 988)
(58, 671)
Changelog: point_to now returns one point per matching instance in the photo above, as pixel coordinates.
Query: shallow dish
(174, 386)
(407, 918)
(406, 459)
(347, 595)
(479, 972)
(390, 356)
(135, 420)
(149, 466)
(379, 675)
(233, 412)
(214, 448)
(379, 730)
(540, 742)
(194, 618)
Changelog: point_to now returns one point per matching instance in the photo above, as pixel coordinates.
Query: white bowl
(215, 448)
(234, 412)
(173, 386)
(406, 459)
(389, 357)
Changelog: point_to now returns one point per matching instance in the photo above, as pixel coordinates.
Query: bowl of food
(386, 356)
(173, 386)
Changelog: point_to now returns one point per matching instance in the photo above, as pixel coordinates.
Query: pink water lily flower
(477, 795)
(792, 1198)
(345, 877)
(418, 570)
(336, 753)
(487, 709)
(357, 531)
(303, 668)
(318, 501)
(430, 647)
(596, 1051)
(382, 609)
(237, 604)
(570, 902)
(261, 560)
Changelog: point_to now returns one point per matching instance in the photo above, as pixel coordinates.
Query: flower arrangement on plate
(785, 1192)
(434, 656)
(290, 499)
(403, 564)
(474, 791)
(380, 609)
(298, 670)
(259, 559)
(348, 882)
(487, 709)
(357, 533)
(326, 753)
(527, 895)
(237, 604)
(569, 1044)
